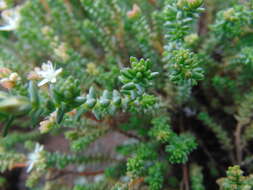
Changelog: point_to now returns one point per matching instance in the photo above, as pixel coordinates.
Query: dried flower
(4, 72)
(72, 113)
(8, 79)
(47, 124)
(33, 75)
(134, 12)
(48, 73)
(61, 52)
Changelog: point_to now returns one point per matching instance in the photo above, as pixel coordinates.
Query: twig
(68, 6)
(131, 135)
(185, 177)
(135, 182)
(90, 116)
(66, 172)
(158, 46)
(63, 172)
(113, 124)
(246, 161)
(19, 165)
(206, 151)
(238, 143)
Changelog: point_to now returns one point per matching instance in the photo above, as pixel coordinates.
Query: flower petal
(41, 83)
(30, 167)
(7, 28)
(53, 80)
(58, 71)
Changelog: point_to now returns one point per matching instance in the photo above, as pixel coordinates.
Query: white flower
(99, 178)
(48, 73)
(34, 157)
(11, 18)
(3, 5)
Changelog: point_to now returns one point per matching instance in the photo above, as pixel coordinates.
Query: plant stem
(238, 144)
(185, 177)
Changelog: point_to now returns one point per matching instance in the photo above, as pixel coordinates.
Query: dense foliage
(172, 77)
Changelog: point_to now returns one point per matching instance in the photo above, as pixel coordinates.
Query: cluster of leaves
(197, 177)
(171, 76)
(235, 180)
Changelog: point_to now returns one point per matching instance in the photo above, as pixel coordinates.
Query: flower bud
(92, 69)
(189, 4)
(194, 4)
(229, 14)
(191, 39)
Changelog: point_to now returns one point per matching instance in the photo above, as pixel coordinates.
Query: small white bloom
(3, 5)
(99, 178)
(34, 157)
(125, 179)
(48, 73)
(14, 77)
(11, 18)
(81, 181)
